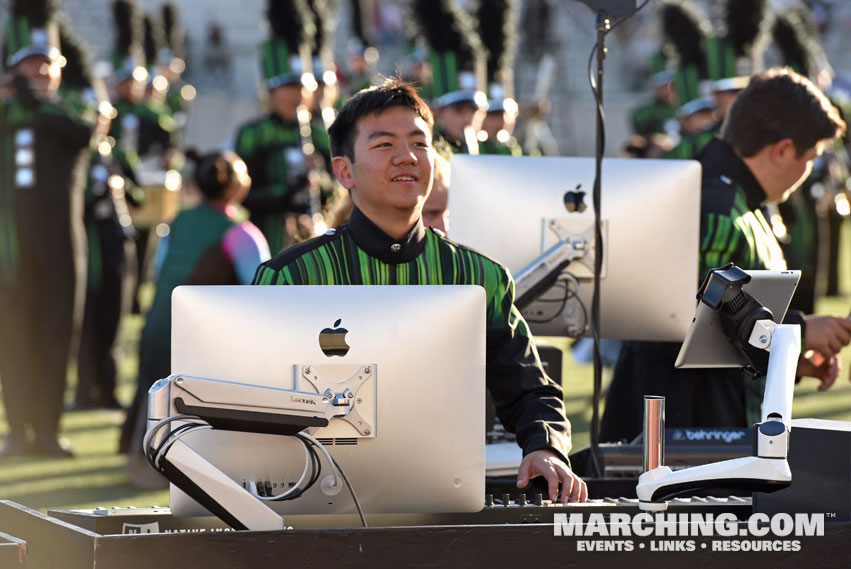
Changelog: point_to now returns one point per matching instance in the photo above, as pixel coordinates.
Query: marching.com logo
(760, 531)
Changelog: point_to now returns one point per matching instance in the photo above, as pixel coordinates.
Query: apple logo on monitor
(332, 341)
(574, 200)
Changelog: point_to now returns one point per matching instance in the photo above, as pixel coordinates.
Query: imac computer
(513, 209)
(416, 443)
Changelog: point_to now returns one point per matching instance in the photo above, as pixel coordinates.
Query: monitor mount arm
(209, 403)
(538, 276)
(746, 323)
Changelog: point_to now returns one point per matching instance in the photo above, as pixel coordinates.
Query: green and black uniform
(527, 402)
(109, 284)
(493, 146)
(194, 234)
(322, 145)
(272, 149)
(42, 257)
(158, 131)
(653, 118)
(732, 229)
(691, 145)
(124, 129)
(455, 145)
(111, 268)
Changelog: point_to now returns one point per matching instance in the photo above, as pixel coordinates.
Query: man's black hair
(777, 104)
(214, 171)
(392, 93)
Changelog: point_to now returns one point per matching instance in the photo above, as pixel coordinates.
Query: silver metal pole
(654, 432)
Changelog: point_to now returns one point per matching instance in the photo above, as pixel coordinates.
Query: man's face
(792, 169)
(436, 208)
(698, 122)
(286, 99)
(357, 64)
(393, 163)
(130, 89)
(493, 123)
(43, 75)
(724, 100)
(666, 94)
(453, 119)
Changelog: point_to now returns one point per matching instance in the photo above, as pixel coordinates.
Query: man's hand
(826, 334)
(547, 464)
(813, 364)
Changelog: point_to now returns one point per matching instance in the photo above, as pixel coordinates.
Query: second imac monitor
(515, 208)
(423, 402)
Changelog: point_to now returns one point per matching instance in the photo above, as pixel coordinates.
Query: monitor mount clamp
(747, 324)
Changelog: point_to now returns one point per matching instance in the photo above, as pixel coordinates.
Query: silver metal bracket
(580, 235)
(342, 393)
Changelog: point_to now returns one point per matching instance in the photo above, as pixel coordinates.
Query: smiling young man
(773, 131)
(382, 146)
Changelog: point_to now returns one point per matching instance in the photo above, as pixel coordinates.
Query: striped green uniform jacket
(455, 146)
(653, 118)
(52, 136)
(733, 227)
(493, 146)
(527, 402)
(690, 146)
(270, 146)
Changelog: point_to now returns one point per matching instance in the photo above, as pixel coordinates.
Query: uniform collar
(378, 244)
(720, 160)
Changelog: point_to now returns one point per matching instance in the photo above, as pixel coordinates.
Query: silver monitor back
(427, 344)
(502, 206)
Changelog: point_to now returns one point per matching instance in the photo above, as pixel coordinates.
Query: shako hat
(285, 56)
(457, 56)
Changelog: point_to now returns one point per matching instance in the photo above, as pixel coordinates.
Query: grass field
(97, 475)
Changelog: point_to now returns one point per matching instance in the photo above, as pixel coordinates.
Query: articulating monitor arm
(200, 403)
(538, 276)
(745, 321)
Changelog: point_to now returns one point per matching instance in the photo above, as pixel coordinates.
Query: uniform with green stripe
(337, 260)
(527, 402)
(653, 118)
(15, 116)
(733, 227)
(42, 256)
(107, 287)
(493, 146)
(262, 144)
(691, 145)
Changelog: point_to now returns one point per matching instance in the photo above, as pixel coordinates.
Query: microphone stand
(603, 26)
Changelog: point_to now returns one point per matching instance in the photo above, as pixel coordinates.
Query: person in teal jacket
(211, 243)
